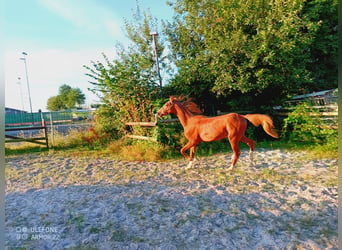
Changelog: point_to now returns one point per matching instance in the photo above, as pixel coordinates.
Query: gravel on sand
(285, 201)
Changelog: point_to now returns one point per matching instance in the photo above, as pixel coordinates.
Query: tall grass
(135, 150)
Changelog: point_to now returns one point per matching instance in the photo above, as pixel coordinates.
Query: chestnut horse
(199, 128)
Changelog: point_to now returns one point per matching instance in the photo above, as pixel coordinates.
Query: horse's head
(167, 108)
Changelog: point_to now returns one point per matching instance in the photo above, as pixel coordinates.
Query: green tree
(128, 85)
(250, 52)
(55, 103)
(67, 98)
(64, 90)
(75, 97)
(324, 48)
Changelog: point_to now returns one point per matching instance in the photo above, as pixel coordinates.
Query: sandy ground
(285, 201)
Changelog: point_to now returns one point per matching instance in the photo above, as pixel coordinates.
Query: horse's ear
(172, 98)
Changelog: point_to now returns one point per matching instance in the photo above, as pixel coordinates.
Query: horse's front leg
(191, 145)
(192, 156)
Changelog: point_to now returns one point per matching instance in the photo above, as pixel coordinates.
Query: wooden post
(45, 133)
(52, 132)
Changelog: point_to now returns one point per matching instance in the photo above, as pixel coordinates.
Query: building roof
(315, 94)
(12, 110)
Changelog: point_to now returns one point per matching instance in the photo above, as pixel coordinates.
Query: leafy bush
(303, 124)
(170, 134)
(96, 138)
(107, 120)
(126, 91)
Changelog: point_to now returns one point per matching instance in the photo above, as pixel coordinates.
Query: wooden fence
(326, 113)
(148, 124)
(37, 140)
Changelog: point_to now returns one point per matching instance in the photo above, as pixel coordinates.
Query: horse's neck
(182, 115)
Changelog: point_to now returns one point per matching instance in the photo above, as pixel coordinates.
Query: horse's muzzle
(158, 114)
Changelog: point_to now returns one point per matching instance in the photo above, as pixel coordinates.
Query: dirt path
(284, 201)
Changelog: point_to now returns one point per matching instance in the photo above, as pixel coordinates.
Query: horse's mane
(189, 105)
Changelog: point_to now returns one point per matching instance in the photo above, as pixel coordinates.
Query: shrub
(107, 120)
(170, 134)
(303, 124)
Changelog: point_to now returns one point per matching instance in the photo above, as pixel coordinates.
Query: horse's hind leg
(234, 142)
(192, 152)
(251, 145)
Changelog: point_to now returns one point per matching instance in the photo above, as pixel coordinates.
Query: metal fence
(22, 119)
(59, 117)
(28, 125)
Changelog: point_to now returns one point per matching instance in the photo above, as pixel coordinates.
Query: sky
(60, 37)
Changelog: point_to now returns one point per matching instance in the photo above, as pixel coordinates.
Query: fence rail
(61, 121)
(151, 124)
(321, 114)
(327, 113)
(36, 140)
(148, 124)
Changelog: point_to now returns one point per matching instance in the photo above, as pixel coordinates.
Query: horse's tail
(265, 121)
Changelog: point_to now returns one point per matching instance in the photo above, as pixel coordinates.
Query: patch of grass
(24, 148)
(311, 150)
(134, 150)
(74, 138)
(78, 220)
(94, 230)
(141, 151)
(119, 235)
(38, 180)
(270, 174)
(307, 222)
(234, 228)
(331, 182)
(84, 247)
(328, 232)
(138, 239)
(250, 216)
(180, 222)
(329, 150)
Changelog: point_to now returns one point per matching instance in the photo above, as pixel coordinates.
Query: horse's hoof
(231, 168)
(189, 165)
(251, 157)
